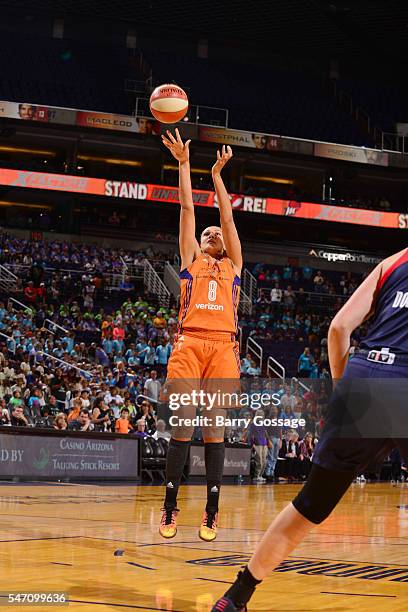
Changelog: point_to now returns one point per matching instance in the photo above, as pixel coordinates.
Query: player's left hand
(222, 159)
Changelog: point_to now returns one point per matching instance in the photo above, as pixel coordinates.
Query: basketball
(168, 103)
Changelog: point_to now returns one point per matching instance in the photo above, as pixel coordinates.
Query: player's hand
(222, 159)
(177, 148)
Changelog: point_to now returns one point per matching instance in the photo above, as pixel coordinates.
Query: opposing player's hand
(177, 148)
(222, 159)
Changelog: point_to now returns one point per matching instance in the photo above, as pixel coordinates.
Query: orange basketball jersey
(209, 295)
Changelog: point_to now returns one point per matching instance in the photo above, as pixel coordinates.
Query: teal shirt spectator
(108, 346)
(69, 342)
(287, 273)
(314, 372)
(163, 354)
(305, 364)
(307, 272)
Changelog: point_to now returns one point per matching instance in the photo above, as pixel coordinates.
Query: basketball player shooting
(383, 354)
(205, 351)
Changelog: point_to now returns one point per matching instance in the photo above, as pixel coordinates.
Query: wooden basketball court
(60, 537)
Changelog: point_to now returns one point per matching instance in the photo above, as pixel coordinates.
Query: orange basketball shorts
(203, 356)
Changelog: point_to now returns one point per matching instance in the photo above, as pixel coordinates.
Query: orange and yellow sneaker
(208, 529)
(168, 523)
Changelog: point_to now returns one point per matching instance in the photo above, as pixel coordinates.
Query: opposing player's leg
(183, 376)
(319, 496)
(335, 464)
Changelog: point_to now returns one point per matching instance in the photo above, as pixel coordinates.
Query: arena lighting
(23, 150)
(193, 170)
(111, 160)
(19, 204)
(269, 179)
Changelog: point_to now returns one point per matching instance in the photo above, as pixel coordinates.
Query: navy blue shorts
(378, 416)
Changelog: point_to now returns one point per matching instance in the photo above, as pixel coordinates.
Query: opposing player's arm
(189, 247)
(229, 231)
(354, 312)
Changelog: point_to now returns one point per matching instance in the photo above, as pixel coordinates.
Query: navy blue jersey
(389, 325)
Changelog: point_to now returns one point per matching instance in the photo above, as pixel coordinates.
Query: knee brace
(321, 493)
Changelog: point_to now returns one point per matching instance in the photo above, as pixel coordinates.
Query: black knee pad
(321, 493)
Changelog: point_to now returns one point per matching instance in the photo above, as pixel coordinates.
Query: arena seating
(279, 107)
(65, 73)
(68, 73)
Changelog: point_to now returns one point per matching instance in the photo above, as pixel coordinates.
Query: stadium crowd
(70, 359)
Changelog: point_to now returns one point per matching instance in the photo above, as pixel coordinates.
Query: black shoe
(227, 605)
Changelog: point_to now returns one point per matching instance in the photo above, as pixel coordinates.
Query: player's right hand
(177, 148)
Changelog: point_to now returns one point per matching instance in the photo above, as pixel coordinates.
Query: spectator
(318, 281)
(307, 272)
(17, 417)
(161, 430)
(290, 452)
(253, 369)
(60, 421)
(159, 321)
(4, 416)
(76, 409)
(276, 295)
(246, 363)
(152, 387)
(30, 293)
(306, 449)
(123, 424)
(82, 423)
(140, 431)
(51, 406)
(163, 352)
(305, 363)
(257, 437)
(127, 285)
(287, 401)
(287, 273)
(274, 433)
(100, 415)
(145, 412)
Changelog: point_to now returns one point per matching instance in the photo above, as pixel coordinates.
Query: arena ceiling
(340, 26)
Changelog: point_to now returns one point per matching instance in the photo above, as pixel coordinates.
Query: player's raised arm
(229, 231)
(189, 247)
(354, 312)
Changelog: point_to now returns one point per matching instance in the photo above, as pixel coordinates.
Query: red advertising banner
(162, 193)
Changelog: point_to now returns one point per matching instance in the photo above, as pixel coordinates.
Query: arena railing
(65, 363)
(10, 339)
(240, 337)
(300, 383)
(53, 324)
(273, 365)
(130, 271)
(154, 284)
(314, 298)
(249, 284)
(8, 280)
(172, 280)
(23, 306)
(256, 349)
(245, 303)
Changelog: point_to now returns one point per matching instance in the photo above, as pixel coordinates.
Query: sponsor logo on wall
(347, 257)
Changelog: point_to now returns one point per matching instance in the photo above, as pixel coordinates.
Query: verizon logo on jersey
(401, 300)
(210, 306)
